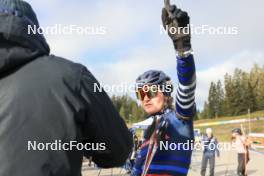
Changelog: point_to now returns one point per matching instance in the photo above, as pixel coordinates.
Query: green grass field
(252, 115)
(223, 132)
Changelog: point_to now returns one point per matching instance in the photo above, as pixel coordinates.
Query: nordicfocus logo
(191, 145)
(59, 29)
(131, 88)
(200, 30)
(59, 145)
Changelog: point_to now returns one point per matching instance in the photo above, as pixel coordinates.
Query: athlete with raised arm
(170, 125)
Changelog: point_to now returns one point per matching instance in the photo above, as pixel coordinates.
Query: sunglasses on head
(150, 91)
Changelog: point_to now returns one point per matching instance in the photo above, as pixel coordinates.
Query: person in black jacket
(47, 101)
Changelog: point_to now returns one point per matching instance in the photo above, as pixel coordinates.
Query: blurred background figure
(210, 148)
(241, 144)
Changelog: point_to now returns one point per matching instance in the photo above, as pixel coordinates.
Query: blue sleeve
(185, 95)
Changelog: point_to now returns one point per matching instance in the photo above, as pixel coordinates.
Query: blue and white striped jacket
(174, 161)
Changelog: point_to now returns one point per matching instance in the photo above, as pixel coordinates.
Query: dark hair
(237, 130)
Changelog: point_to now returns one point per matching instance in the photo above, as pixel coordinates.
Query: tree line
(238, 93)
(128, 108)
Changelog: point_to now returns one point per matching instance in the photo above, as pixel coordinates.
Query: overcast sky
(133, 43)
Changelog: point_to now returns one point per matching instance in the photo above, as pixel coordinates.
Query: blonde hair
(169, 103)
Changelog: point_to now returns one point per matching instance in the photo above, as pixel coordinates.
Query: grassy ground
(252, 115)
(223, 132)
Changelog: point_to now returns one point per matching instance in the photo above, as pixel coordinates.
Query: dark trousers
(241, 168)
(211, 159)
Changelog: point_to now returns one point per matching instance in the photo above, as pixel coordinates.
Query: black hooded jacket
(44, 99)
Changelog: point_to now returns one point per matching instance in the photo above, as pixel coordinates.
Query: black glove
(162, 130)
(150, 130)
(177, 19)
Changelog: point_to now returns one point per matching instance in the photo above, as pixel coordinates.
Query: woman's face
(155, 104)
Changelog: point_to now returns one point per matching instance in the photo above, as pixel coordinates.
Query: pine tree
(122, 113)
(212, 101)
(238, 92)
(257, 83)
(205, 113)
(260, 89)
(134, 111)
(241, 92)
(197, 115)
(228, 100)
(219, 99)
(248, 99)
(128, 108)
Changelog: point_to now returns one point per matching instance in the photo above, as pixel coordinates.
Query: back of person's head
(19, 8)
(237, 131)
(16, 17)
(209, 132)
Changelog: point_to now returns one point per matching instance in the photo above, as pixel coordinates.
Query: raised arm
(174, 17)
(185, 95)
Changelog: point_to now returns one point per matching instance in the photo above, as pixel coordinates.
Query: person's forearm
(185, 95)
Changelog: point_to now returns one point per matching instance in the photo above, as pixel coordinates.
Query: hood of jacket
(17, 45)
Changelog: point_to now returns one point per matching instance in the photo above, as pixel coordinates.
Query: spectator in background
(241, 144)
(210, 148)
